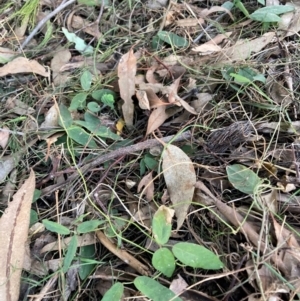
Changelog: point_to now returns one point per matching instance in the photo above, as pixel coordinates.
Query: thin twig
(117, 153)
(44, 20)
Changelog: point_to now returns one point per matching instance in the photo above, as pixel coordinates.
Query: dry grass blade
(14, 225)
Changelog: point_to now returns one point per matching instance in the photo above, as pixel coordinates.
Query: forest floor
(150, 150)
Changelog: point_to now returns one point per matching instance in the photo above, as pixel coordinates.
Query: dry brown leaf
(143, 99)
(14, 225)
(244, 48)
(83, 240)
(79, 23)
(202, 100)
(188, 22)
(207, 48)
(17, 106)
(23, 65)
(290, 22)
(186, 105)
(59, 60)
(154, 100)
(156, 119)
(150, 77)
(147, 182)
(180, 178)
(4, 136)
(7, 164)
(214, 9)
(178, 285)
(126, 72)
(51, 118)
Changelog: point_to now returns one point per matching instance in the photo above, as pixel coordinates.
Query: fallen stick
(115, 154)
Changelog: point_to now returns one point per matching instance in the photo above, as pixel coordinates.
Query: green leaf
(240, 79)
(72, 247)
(242, 178)
(156, 43)
(65, 119)
(89, 226)
(55, 227)
(94, 107)
(150, 161)
(172, 39)
(36, 195)
(275, 9)
(87, 253)
(33, 217)
(79, 135)
(163, 260)
(161, 224)
(265, 17)
(80, 44)
(78, 102)
(86, 80)
(153, 289)
(98, 130)
(114, 293)
(239, 4)
(108, 100)
(98, 94)
(251, 74)
(92, 119)
(197, 256)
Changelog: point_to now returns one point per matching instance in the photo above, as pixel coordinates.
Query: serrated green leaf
(154, 290)
(172, 39)
(72, 247)
(79, 135)
(243, 178)
(163, 260)
(114, 293)
(55, 227)
(78, 102)
(65, 119)
(197, 256)
(89, 226)
(86, 80)
(162, 224)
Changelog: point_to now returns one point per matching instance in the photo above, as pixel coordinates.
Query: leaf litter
(215, 83)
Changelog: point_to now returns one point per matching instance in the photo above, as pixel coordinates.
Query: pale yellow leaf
(14, 226)
(126, 72)
(23, 65)
(180, 177)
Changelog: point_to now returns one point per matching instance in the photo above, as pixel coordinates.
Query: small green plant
(267, 15)
(85, 253)
(101, 98)
(84, 131)
(163, 259)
